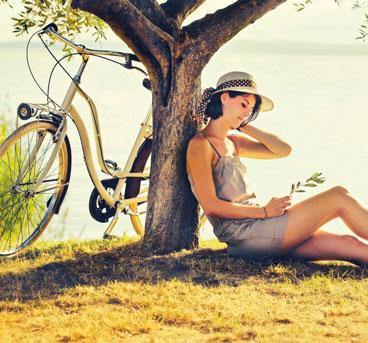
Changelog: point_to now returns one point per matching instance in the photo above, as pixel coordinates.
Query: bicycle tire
(139, 186)
(135, 188)
(25, 213)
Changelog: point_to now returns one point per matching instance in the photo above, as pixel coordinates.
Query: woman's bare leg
(309, 215)
(323, 245)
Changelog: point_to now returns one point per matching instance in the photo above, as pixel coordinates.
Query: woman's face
(238, 109)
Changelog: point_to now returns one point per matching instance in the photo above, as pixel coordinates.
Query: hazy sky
(323, 21)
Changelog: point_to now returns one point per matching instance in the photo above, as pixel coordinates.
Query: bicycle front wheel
(24, 210)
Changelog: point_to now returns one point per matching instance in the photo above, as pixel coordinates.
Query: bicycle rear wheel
(24, 211)
(138, 187)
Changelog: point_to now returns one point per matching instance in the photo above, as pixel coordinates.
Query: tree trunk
(171, 220)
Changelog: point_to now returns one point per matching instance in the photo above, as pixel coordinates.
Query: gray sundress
(248, 237)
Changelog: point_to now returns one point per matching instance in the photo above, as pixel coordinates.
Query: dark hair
(214, 108)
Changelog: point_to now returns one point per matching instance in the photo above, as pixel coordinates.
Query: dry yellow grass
(102, 291)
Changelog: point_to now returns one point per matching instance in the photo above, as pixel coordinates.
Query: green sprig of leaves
(313, 181)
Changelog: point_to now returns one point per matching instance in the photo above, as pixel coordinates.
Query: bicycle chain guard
(98, 208)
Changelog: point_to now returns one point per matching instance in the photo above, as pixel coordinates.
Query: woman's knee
(338, 196)
(338, 191)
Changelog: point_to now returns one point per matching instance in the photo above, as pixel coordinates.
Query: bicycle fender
(133, 183)
(65, 188)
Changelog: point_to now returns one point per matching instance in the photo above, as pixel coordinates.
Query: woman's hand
(273, 143)
(276, 206)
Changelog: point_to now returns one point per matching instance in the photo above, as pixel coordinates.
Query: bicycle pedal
(131, 213)
(109, 237)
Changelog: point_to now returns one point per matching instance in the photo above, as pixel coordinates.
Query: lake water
(320, 109)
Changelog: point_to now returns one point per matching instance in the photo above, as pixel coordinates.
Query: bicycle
(35, 162)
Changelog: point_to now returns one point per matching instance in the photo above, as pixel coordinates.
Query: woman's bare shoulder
(197, 141)
(199, 147)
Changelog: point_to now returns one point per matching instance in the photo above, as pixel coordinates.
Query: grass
(107, 291)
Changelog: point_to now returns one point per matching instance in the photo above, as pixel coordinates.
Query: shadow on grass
(207, 267)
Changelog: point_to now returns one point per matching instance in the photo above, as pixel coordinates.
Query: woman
(219, 182)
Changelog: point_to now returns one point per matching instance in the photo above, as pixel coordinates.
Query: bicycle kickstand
(107, 234)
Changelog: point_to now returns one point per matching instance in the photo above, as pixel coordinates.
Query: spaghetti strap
(219, 156)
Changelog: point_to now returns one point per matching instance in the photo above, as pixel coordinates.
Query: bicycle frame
(144, 132)
(67, 108)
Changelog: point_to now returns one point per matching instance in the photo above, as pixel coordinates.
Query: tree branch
(151, 44)
(214, 30)
(154, 12)
(179, 10)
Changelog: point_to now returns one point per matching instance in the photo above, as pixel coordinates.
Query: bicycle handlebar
(53, 30)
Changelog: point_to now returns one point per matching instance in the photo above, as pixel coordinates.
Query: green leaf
(300, 191)
(310, 185)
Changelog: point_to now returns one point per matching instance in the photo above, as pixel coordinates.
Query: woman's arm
(199, 166)
(267, 145)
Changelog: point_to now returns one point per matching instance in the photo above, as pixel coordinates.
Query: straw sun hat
(234, 81)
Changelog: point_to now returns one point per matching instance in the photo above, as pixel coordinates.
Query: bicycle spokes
(26, 200)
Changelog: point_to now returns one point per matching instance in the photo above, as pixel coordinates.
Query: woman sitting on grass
(220, 184)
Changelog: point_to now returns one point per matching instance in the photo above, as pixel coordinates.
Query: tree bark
(172, 221)
(151, 43)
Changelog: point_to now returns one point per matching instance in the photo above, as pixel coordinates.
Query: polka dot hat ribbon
(205, 99)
